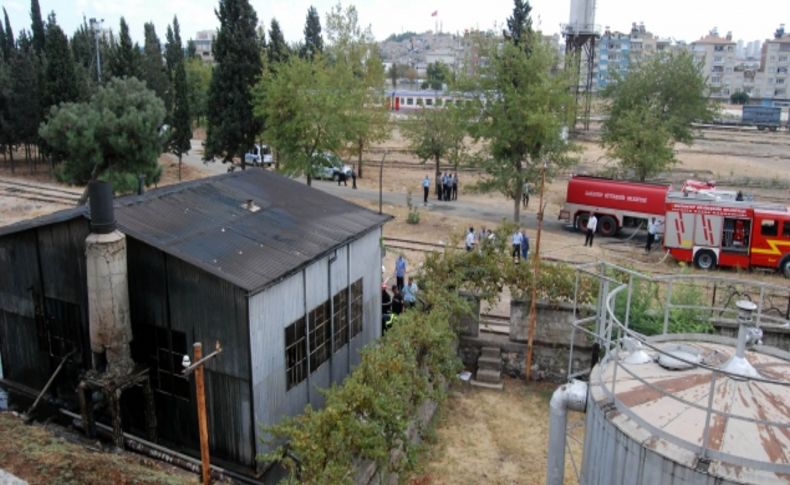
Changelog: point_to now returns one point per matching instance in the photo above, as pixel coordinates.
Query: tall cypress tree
(181, 134)
(173, 49)
(24, 107)
(277, 51)
(153, 70)
(60, 82)
(37, 27)
(313, 42)
(519, 25)
(2, 44)
(9, 45)
(124, 61)
(231, 125)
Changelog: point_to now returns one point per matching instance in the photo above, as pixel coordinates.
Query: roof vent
(748, 333)
(679, 357)
(251, 206)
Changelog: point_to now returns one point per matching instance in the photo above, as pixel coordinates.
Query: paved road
(489, 212)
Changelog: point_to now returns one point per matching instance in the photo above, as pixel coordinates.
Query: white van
(259, 155)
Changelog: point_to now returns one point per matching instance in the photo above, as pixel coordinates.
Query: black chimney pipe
(102, 213)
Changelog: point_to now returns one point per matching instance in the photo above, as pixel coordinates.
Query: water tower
(580, 37)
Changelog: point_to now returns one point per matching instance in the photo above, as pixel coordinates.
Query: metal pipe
(568, 396)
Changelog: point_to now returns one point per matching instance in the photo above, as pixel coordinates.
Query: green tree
(739, 97)
(114, 137)
(37, 27)
(522, 117)
(9, 45)
(353, 48)
(437, 74)
(179, 141)
(313, 42)
(191, 49)
(394, 73)
(437, 134)
(153, 69)
(306, 111)
(232, 128)
(666, 91)
(124, 61)
(174, 52)
(24, 98)
(277, 51)
(198, 75)
(60, 80)
(519, 25)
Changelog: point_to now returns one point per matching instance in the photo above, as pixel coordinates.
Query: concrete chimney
(108, 290)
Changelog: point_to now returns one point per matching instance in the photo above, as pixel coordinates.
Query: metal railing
(610, 323)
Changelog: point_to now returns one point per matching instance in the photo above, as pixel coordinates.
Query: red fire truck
(708, 231)
(616, 203)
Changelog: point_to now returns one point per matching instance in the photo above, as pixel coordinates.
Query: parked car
(259, 155)
(328, 166)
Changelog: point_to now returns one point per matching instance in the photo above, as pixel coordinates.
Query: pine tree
(60, 82)
(153, 70)
(519, 25)
(191, 49)
(231, 125)
(313, 42)
(277, 51)
(2, 44)
(123, 62)
(24, 101)
(37, 27)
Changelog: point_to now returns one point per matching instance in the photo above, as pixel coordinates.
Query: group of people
(653, 229)
(341, 177)
(519, 239)
(404, 294)
(446, 187)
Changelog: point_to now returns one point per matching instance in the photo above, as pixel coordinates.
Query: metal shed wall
(168, 293)
(273, 309)
(43, 267)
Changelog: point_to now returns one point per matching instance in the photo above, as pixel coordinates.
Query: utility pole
(536, 272)
(200, 392)
(96, 28)
(381, 177)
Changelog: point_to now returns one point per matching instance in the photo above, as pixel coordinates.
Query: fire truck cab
(711, 230)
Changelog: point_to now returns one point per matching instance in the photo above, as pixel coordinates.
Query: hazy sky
(681, 19)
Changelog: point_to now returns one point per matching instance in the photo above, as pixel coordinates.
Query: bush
(739, 97)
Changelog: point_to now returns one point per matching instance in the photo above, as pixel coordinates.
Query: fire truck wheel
(705, 260)
(784, 267)
(581, 221)
(607, 226)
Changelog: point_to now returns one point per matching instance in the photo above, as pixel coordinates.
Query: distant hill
(400, 37)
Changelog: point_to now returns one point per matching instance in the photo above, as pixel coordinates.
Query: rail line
(38, 192)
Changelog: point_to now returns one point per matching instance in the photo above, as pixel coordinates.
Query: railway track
(38, 192)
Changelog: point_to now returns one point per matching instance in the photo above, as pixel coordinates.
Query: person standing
(400, 271)
(470, 239)
(651, 234)
(455, 186)
(354, 179)
(525, 195)
(397, 300)
(426, 188)
(524, 245)
(592, 225)
(410, 293)
(516, 240)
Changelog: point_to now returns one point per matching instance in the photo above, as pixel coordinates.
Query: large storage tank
(582, 17)
(689, 409)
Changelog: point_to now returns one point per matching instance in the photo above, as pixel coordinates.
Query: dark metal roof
(204, 223)
(45, 220)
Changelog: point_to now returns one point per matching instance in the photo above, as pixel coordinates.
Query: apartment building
(717, 59)
(772, 81)
(617, 52)
(203, 41)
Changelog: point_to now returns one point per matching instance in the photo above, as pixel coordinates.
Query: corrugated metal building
(284, 276)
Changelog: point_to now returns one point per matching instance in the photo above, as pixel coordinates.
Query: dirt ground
(495, 437)
(48, 455)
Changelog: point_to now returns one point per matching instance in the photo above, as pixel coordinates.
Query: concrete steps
(489, 369)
